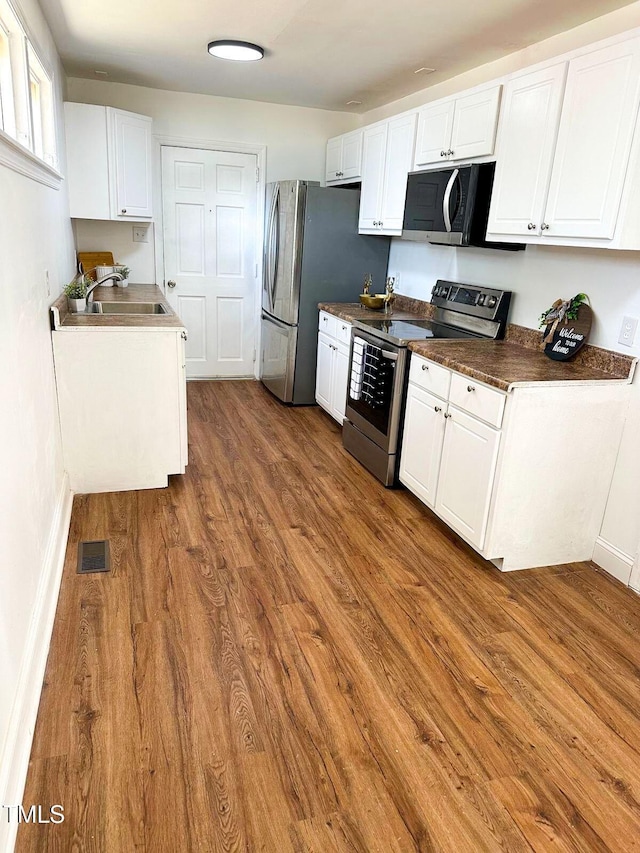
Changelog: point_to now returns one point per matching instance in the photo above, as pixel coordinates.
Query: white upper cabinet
(344, 158)
(109, 163)
(594, 141)
(386, 161)
(130, 165)
(528, 130)
(564, 150)
(458, 128)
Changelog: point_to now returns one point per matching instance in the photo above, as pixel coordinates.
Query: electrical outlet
(47, 283)
(628, 331)
(140, 233)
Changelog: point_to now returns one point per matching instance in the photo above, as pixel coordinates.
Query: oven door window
(371, 384)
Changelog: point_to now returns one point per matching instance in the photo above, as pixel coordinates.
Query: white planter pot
(76, 306)
(123, 283)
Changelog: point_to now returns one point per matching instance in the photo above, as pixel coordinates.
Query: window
(27, 103)
(42, 109)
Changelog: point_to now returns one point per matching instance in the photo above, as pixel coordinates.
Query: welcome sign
(567, 327)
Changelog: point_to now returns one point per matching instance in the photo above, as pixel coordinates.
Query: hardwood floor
(288, 657)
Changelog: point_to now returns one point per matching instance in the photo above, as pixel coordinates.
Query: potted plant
(76, 293)
(124, 272)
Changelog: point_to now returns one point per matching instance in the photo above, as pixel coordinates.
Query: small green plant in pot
(76, 293)
(125, 273)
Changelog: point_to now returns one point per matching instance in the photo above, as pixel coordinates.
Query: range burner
(402, 331)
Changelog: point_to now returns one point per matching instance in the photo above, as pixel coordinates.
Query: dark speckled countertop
(505, 365)
(518, 360)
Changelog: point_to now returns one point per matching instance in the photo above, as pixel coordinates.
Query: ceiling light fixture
(424, 69)
(239, 51)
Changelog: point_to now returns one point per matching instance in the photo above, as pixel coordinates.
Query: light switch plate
(628, 331)
(140, 233)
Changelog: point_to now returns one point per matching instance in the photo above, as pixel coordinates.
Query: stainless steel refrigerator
(312, 253)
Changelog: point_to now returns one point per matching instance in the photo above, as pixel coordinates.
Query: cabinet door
(401, 136)
(131, 159)
(334, 159)
(87, 161)
(594, 141)
(424, 425)
(374, 149)
(434, 133)
(526, 142)
(339, 381)
(324, 372)
(351, 155)
(467, 470)
(475, 121)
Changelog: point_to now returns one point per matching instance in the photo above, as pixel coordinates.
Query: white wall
(295, 137)
(35, 235)
(626, 18)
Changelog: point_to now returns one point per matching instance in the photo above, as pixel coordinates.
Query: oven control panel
(485, 302)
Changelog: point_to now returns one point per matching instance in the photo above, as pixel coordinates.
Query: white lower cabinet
(122, 404)
(332, 367)
(522, 476)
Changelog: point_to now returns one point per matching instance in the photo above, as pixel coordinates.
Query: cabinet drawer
(343, 331)
(327, 323)
(430, 376)
(477, 399)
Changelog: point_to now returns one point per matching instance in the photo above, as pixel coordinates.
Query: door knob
(531, 226)
(171, 283)
(124, 210)
(438, 408)
(544, 227)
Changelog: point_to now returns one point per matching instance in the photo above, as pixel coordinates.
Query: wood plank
(288, 657)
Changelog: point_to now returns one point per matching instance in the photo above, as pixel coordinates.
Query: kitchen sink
(126, 308)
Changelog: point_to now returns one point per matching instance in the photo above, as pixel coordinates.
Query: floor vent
(93, 557)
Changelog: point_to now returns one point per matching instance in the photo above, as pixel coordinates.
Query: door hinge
(254, 356)
(256, 271)
(257, 174)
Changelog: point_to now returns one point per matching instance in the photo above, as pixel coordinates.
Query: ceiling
(320, 53)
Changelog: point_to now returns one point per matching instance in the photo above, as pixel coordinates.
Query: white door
(352, 155)
(339, 381)
(324, 372)
(526, 143)
(434, 133)
(373, 160)
(594, 140)
(474, 124)
(209, 205)
(334, 159)
(131, 146)
(401, 137)
(467, 470)
(424, 424)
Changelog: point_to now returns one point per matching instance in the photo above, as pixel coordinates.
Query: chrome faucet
(116, 276)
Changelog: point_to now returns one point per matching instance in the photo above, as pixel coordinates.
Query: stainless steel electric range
(379, 361)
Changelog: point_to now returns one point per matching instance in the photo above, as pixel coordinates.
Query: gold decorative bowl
(374, 302)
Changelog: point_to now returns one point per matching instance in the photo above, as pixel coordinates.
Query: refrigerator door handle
(275, 246)
(268, 249)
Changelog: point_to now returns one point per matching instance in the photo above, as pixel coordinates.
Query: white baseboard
(15, 757)
(613, 560)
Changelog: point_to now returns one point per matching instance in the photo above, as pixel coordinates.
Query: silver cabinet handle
(124, 210)
(443, 153)
(184, 336)
(450, 153)
(531, 226)
(447, 415)
(171, 283)
(425, 367)
(471, 388)
(437, 408)
(344, 328)
(544, 227)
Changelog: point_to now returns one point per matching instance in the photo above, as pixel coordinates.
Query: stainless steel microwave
(451, 207)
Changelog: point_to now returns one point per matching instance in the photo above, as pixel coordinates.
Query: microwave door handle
(447, 199)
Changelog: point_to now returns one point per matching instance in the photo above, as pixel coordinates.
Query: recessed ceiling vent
(93, 557)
